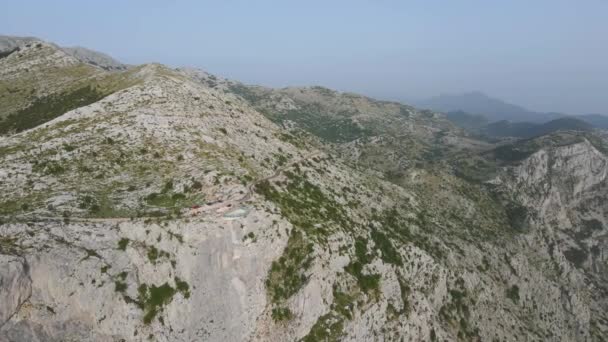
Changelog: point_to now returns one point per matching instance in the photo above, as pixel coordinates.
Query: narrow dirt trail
(222, 205)
(277, 173)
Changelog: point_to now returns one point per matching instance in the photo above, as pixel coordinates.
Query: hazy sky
(547, 55)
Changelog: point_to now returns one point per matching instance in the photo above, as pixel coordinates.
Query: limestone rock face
(72, 285)
(15, 286)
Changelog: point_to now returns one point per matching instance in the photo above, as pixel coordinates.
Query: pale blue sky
(547, 55)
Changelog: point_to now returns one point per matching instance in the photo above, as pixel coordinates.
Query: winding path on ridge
(214, 207)
(277, 172)
(251, 187)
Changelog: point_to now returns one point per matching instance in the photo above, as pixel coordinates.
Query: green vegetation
(120, 286)
(513, 293)
(182, 287)
(457, 310)
(281, 314)
(305, 204)
(48, 108)
(49, 167)
(517, 215)
(286, 274)
(315, 120)
(153, 298)
(9, 246)
(123, 243)
(152, 254)
(587, 228)
(250, 236)
(343, 303)
(405, 290)
(166, 200)
(90, 203)
(474, 169)
(577, 256)
(513, 153)
(394, 224)
(328, 328)
(18, 204)
(169, 198)
(389, 253)
(246, 92)
(367, 282)
(292, 139)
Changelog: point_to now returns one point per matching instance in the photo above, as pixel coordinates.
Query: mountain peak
(479, 103)
(95, 58)
(85, 55)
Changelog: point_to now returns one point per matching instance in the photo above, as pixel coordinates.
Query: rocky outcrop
(15, 285)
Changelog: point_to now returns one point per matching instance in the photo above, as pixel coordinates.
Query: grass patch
(286, 274)
(48, 108)
(120, 286)
(389, 253)
(123, 243)
(513, 293)
(153, 298)
(315, 120)
(305, 204)
(281, 314)
(367, 282)
(328, 328)
(182, 287)
(343, 304)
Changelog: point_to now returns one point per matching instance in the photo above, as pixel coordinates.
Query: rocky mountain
(479, 126)
(10, 44)
(466, 120)
(173, 205)
(95, 58)
(530, 130)
(481, 104)
(477, 104)
(596, 120)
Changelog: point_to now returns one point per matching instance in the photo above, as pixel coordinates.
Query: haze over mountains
(494, 109)
(149, 203)
(491, 117)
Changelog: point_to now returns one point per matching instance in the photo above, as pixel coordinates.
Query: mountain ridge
(88, 56)
(493, 109)
(182, 206)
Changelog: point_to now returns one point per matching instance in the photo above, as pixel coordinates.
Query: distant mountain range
(493, 110)
(504, 128)
(529, 130)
